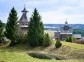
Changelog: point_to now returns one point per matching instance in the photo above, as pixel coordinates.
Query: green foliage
(78, 31)
(1, 29)
(21, 38)
(47, 40)
(69, 39)
(35, 30)
(1, 32)
(58, 43)
(11, 25)
(1, 24)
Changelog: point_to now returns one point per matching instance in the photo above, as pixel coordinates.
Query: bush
(58, 43)
(69, 39)
(21, 38)
(47, 40)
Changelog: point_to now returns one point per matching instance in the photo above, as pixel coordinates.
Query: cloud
(52, 11)
(59, 18)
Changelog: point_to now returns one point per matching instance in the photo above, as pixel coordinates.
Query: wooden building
(65, 31)
(23, 22)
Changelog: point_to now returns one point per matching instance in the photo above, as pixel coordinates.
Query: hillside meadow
(71, 51)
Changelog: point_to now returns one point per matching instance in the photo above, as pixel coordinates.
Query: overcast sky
(52, 11)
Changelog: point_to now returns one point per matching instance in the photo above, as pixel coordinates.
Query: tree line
(35, 35)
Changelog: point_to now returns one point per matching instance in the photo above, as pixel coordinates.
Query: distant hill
(75, 26)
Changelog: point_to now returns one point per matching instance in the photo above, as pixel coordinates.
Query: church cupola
(23, 20)
(65, 31)
(24, 10)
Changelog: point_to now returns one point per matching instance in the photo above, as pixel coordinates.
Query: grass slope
(19, 53)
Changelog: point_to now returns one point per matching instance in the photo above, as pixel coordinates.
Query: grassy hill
(19, 53)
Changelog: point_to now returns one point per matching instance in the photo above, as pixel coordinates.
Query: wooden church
(23, 22)
(64, 32)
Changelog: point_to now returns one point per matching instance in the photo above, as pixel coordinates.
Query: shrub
(58, 43)
(47, 40)
(69, 39)
(21, 38)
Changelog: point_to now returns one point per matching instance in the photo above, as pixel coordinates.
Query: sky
(51, 11)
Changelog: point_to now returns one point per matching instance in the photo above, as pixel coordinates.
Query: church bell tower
(23, 22)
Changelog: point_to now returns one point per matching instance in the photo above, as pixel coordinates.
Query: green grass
(73, 45)
(19, 53)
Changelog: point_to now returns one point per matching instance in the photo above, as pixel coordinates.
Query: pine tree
(1, 31)
(47, 40)
(1, 24)
(58, 43)
(11, 26)
(35, 30)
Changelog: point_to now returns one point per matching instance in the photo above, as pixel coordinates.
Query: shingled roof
(23, 18)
